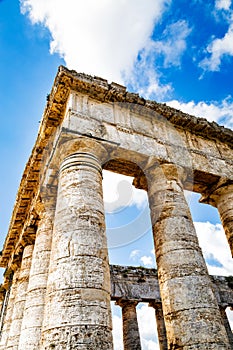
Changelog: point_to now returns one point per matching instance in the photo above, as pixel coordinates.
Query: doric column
(161, 329)
(78, 314)
(221, 197)
(20, 298)
(2, 297)
(131, 336)
(35, 299)
(9, 307)
(226, 324)
(2, 304)
(191, 312)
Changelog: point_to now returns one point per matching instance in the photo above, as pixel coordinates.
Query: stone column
(226, 324)
(191, 312)
(20, 298)
(161, 329)
(2, 297)
(2, 304)
(78, 314)
(221, 197)
(35, 299)
(131, 336)
(9, 307)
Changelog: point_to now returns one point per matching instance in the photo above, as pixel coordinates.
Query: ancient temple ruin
(58, 283)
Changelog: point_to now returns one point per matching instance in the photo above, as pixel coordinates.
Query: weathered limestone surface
(78, 293)
(85, 105)
(135, 283)
(131, 336)
(88, 125)
(141, 284)
(227, 325)
(9, 311)
(189, 305)
(140, 129)
(223, 288)
(221, 196)
(19, 303)
(35, 298)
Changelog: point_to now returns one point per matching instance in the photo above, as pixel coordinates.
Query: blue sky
(179, 52)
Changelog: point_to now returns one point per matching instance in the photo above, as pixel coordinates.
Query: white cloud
(147, 327)
(147, 261)
(98, 37)
(146, 323)
(213, 242)
(173, 44)
(134, 254)
(144, 78)
(119, 192)
(221, 113)
(112, 39)
(117, 331)
(219, 48)
(222, 4)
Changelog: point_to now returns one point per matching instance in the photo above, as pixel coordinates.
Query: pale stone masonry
(78, 286)
(131, 335)
(184, 282)
(7, 320)
(141, 285)
(20, 299)
(221, 196)
(58, 285)
(32, 319)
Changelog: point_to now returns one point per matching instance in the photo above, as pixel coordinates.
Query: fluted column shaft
(161, 329)
(131, 335)
(35, 299)
(78, 295)
(9, 311)
(20, 298)
(191, 312)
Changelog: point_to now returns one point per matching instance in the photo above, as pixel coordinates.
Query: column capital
(164, 173)
(179, 258)
(156, 305)
(80, 160)
(214, 193)
(78, 252)
(8, 276)
(30, 235)
(2, 293)
(221, 197)
(122, 302)
(83, 145)
(43, 207)
(131, 336)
